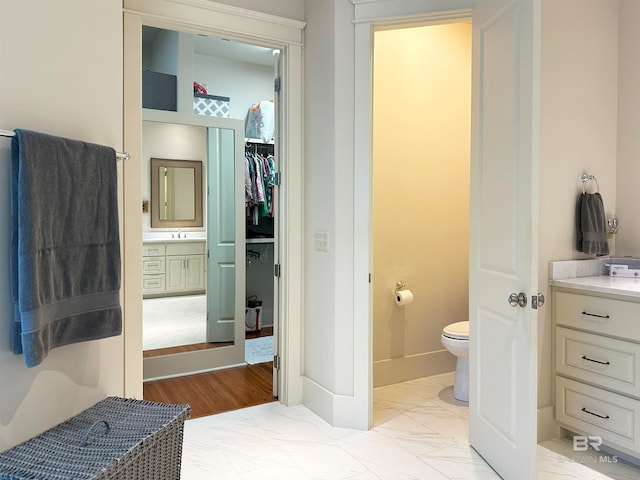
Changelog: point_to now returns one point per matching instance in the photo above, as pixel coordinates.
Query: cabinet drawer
(153, 265)
(600, 315)
(185, 248)
(153, 249)
(594, 411)
(153, 283)
(604, 361)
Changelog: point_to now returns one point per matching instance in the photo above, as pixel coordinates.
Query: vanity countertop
(603, 284)
(173, 240)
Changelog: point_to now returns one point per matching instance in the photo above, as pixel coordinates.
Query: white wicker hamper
(117, 438)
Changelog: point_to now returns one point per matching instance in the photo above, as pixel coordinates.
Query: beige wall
(628, 171)
(578, 132)
(421, 135)
(171, 141)
(64, 77)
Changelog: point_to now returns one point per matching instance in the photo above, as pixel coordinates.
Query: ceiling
(220, 47)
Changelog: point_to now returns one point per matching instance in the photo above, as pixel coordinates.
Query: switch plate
(321, 241)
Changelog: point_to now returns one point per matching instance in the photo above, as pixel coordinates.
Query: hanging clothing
(259, 183)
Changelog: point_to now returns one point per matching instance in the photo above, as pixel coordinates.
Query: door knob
(517, 299)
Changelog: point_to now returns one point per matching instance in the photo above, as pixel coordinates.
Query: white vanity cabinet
(173, 268)
(597, 360)
(153, 268)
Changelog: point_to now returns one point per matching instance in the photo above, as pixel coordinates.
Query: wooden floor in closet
(218, 391)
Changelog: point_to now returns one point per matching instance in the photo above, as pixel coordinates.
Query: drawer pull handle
(584, 357)
(595, 315)
(606, 417)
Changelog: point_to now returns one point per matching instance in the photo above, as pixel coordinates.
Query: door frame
(370, 16)
(245, 26)
(186, 363)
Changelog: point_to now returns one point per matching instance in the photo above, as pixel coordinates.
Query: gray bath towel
(591, 225)
(65, 243)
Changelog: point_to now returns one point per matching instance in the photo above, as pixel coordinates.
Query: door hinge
(276, 362)
(207, 253)
(277, 84)
(369, 278)
(277, 178)
(276, 270)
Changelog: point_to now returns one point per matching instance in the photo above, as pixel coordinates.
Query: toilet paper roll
(404, 297)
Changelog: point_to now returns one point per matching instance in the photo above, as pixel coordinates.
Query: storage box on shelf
(211, 105)
(159, 91)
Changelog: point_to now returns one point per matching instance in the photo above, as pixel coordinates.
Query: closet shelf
(258, 140)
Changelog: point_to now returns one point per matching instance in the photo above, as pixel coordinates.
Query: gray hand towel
(65, 243)
(591, 225)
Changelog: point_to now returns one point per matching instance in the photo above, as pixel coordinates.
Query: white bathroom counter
(174, 240)
(629, 287)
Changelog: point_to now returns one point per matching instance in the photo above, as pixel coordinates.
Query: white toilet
(455, 338)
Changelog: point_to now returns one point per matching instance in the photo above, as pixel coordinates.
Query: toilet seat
(457, 331)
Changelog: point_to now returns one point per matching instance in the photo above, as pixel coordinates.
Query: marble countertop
(602, 284)
(175, 240)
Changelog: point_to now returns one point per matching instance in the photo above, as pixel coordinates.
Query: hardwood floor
(218, 391)
(263, 332)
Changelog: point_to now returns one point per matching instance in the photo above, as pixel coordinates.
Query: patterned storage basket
(211, 105)
(117, 438)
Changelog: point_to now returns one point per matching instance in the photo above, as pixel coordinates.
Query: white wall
(62, 76)
(421, 148)
(293, 9)
(319, 194)
(245, 84)
(328, 202)
(578, 133)
(628, 171)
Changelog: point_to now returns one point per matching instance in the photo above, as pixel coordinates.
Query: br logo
(581, 443)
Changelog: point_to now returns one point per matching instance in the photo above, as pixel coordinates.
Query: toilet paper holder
(399, 286)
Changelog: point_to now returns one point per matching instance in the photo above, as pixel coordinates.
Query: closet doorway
(209, 238)
(244, 26)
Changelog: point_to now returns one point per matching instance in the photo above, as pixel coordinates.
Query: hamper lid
(102, 437)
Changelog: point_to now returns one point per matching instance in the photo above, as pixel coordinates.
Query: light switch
(322, 241)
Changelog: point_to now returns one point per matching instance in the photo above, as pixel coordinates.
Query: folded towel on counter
(65, 243)
(591, 225)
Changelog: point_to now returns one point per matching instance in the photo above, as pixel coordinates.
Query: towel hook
(585, 177)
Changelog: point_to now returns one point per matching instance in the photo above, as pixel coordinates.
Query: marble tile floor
(172, 321)
(420, 432)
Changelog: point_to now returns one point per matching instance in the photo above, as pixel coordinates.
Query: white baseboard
(547, 426)
(336, 410)
(402, 369)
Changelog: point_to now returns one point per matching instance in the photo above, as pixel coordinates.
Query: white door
(503, 246)
(226, 235)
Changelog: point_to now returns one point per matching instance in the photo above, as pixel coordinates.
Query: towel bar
(585, 177)
(7, 133)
